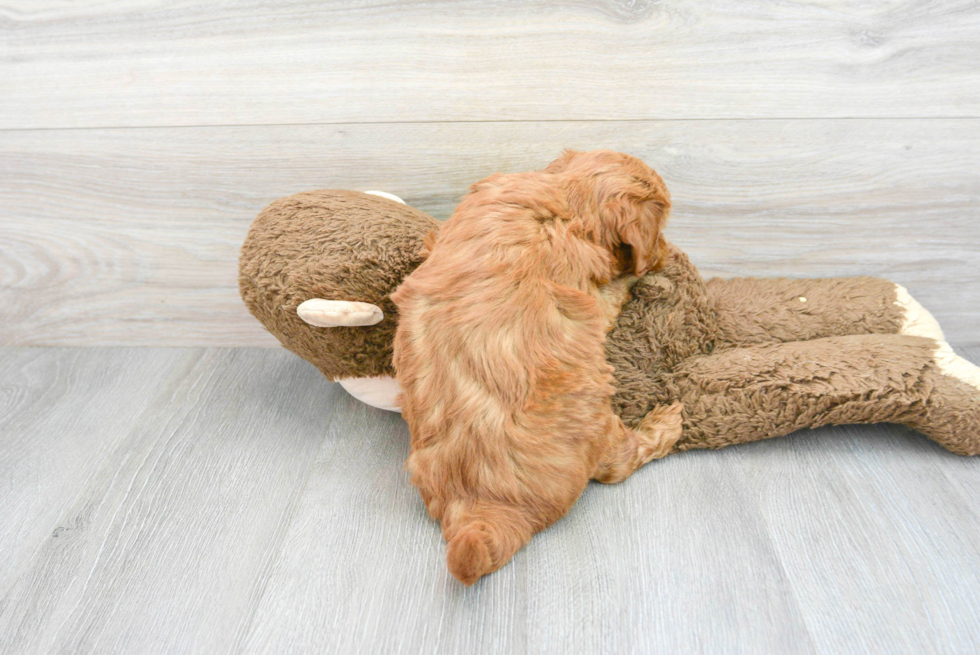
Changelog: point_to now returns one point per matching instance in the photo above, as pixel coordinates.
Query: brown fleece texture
(748, 358)
(336, 245)
(751, 361)
(752, 310)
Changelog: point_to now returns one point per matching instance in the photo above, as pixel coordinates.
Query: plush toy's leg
(757, 392)
(755, 311)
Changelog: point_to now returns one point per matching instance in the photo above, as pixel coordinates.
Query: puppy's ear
(639, 230)
(641, 257)
(427, 243)
(486, 183)
(561, 163)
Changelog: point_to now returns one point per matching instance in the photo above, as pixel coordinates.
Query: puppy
(499, 351)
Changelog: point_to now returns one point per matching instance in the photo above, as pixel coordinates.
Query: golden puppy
(499, 351)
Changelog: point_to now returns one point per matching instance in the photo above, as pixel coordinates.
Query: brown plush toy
(749, 358)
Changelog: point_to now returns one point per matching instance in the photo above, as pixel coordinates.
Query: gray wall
(138, 140)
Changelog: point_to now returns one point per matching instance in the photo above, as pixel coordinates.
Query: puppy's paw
(659, 431)
(468, 555)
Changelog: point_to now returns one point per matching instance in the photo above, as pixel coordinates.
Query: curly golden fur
(499, 351)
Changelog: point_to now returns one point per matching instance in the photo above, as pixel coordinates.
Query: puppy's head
(626, 198)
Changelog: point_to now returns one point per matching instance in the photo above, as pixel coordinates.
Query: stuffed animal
(749, 358)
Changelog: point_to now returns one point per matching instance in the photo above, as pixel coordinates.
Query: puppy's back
(499, 353)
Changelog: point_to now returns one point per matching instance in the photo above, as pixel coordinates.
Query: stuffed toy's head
(316, 269)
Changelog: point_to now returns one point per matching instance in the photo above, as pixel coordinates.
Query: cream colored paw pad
(919, 322)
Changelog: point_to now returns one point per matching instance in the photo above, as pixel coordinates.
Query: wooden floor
(234, 501)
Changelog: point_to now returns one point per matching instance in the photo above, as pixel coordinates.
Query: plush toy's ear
(339, 313)
(384, 194)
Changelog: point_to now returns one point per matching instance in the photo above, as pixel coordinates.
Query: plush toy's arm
(756, 311)
(339, 313)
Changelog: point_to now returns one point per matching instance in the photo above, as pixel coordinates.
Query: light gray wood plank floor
(234, 501)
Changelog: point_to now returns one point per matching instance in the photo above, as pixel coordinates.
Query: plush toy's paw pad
(659, 430)
(916, 319)
(955, 366)
(918, 322)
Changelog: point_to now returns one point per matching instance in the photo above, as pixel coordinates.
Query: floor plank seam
(722, 119)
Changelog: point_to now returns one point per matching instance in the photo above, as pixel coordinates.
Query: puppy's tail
(485, 540)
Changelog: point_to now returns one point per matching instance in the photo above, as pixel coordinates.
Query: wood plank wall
(138, 139)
